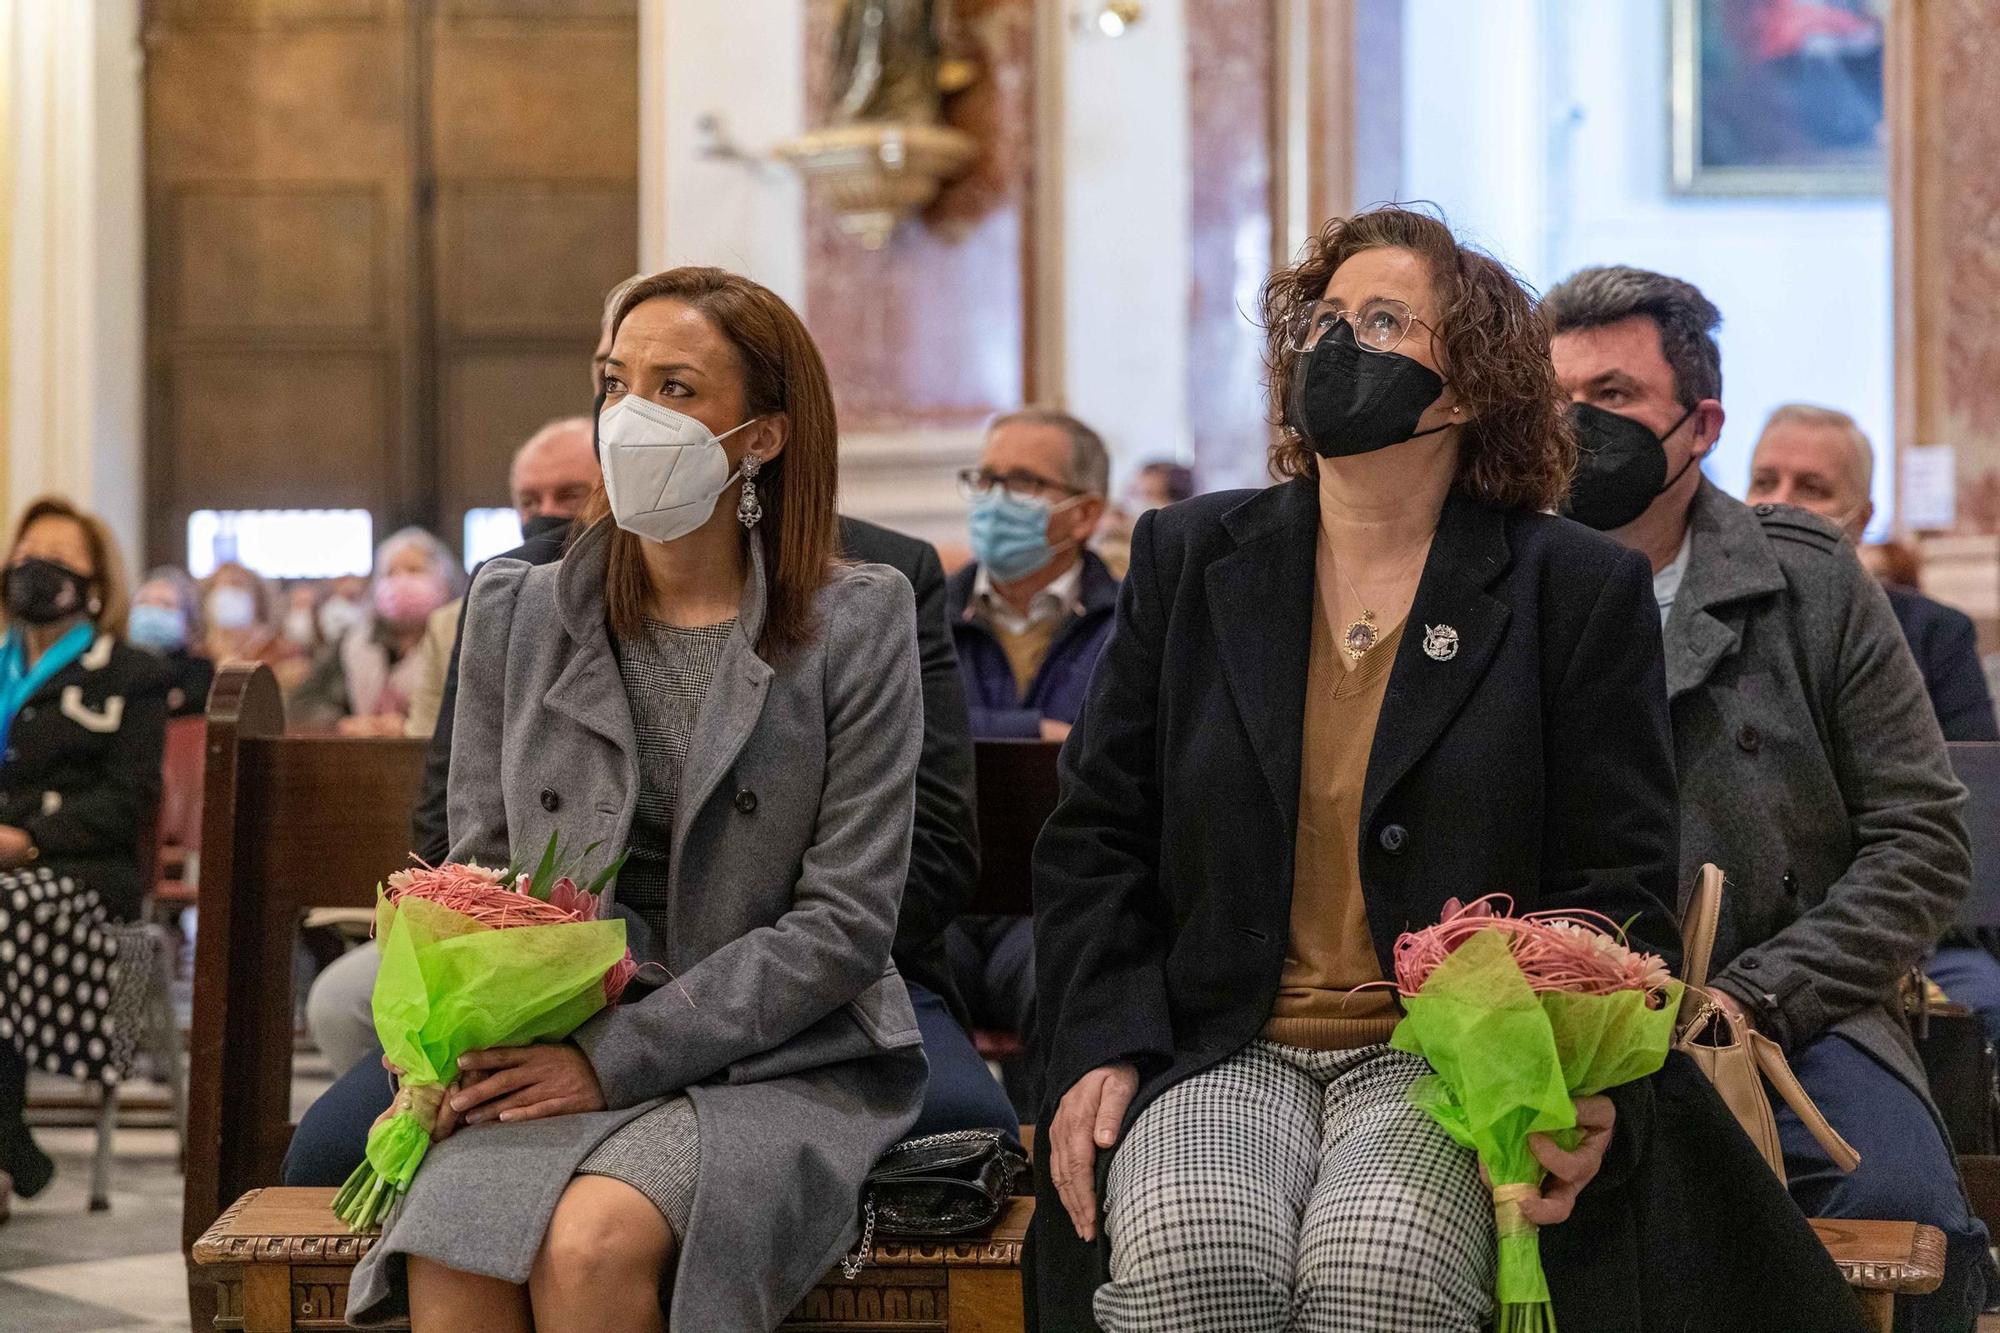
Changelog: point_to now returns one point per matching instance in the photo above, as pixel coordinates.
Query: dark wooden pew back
(1017, 794)
(288, 823)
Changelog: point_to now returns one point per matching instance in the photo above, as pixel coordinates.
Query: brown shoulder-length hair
(782, 372)
(1517, 450)
(109, 587)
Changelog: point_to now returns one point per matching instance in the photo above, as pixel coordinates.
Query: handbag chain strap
(852, 1264)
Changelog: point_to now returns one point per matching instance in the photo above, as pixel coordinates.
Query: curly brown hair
(1517, 450)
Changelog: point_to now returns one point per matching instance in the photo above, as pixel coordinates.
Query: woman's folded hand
(1086, 1121)
(510, 1083)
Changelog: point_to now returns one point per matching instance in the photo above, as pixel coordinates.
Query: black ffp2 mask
(41, 592)
(1346, 401)
(1622, 468)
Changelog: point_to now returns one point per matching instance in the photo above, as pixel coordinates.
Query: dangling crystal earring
(749, 512)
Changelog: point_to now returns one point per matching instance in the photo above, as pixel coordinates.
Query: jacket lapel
(1729, 563)
(590, 692)
(1424, 693)
(1260, 599)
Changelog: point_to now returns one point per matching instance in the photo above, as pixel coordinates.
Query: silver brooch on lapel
(1440, 643)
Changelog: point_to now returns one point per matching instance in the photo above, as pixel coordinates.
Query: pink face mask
(407, 600)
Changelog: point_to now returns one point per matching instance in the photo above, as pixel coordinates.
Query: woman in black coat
(1328, 708)
(82, 724)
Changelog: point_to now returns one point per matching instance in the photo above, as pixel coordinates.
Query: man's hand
(1053, 730)
(1087, 1119)
(510, 1083)
(1569, 1172)
(14, 847)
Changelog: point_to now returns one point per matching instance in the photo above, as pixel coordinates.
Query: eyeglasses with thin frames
(1380, 325)
(974, 482)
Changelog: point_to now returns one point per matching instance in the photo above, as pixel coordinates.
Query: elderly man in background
(551, 477)
(1819, 459)
(1030, 615)
(1029, 618)
(1812, 769)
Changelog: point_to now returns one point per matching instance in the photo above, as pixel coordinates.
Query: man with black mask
(1811, 766)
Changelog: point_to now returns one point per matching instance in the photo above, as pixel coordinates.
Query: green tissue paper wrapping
(1507, 1063)
(448, 985)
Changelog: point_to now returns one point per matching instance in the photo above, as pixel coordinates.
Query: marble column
(74, 287)
(1945, 78)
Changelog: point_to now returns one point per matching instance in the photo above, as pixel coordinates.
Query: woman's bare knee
(605, 1235)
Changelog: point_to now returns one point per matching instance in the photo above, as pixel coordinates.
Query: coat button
(27, 715)
(746, 801)
(1765, 511)
(1748, 964)
(550, 800)
(1394, 838)
(1749, 739)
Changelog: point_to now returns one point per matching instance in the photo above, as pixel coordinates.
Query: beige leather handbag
(1736, 1057)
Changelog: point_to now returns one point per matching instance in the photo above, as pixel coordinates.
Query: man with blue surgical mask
(1033, 611)
(1029, 618)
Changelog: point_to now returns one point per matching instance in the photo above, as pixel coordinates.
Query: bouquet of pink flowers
(1519, 1017)
(474, 958)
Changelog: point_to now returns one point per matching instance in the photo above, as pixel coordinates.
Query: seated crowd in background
(1225, 1139)
(362, 685)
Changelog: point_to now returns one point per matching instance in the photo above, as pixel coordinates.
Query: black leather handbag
(938, 1185)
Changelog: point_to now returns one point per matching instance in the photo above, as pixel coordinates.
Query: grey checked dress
(666, 670)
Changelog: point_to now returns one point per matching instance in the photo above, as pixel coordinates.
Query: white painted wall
(1566, 163)
(1127, 258)
(745, 62)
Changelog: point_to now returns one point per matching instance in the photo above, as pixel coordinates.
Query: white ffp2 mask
(662, 469)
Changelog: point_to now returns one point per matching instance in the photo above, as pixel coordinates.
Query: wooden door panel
(250, 259)
(278, 104)
(491, 401)
(542, 9)
(378, 236)
(282, 428)
(193, 15)
(530, 258)
(532, 101)
(534, 142)
(279, 207)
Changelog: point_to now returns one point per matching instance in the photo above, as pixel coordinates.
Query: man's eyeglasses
(1379, 326)
(974, 482)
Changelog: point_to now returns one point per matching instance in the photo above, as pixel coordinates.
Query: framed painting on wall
(1778, 97)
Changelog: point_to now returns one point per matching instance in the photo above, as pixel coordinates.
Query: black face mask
(41, 592)
(1346, 401)
(1623, 468)
(543, 523)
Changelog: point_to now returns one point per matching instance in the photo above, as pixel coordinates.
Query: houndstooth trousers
(1295, 1190)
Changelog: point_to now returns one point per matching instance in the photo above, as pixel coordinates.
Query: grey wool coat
(1813, 773)
(785, 1023)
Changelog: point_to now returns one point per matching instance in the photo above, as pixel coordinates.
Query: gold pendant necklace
(1360, 635)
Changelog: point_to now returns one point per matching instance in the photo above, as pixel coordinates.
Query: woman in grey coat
(742, 713)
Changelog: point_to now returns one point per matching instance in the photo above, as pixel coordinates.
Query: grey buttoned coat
(784, 1022)
(1813, 772)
